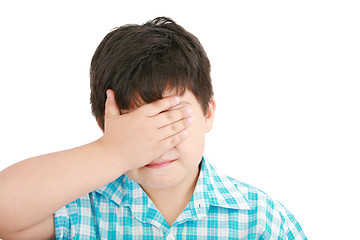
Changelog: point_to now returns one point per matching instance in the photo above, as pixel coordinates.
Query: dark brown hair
(140, 62)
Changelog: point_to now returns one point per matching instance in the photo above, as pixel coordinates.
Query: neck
(171, 201)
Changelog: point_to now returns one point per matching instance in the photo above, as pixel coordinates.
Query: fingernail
(177, 100)
(108, 93)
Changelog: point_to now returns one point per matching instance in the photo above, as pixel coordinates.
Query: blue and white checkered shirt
(220, 208)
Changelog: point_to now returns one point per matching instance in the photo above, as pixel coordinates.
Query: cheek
(193, 145)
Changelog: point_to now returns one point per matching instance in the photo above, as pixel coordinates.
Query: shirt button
(170, 237)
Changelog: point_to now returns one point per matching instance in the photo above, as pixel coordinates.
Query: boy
(146, 177)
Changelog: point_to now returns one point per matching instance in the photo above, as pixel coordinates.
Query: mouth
(160, 164)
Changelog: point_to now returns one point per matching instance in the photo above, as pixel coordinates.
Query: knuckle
(187, 111)
(173, 141)
(174, 128)
(185, 122)
(184, 112)
(160, 104)
(168, 116)
(145, 110)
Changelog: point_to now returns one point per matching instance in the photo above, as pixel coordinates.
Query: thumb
(111, 108)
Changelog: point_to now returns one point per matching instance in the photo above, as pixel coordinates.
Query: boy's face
(180, 164)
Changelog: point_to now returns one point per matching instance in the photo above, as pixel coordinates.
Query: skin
(130, 141)
(170, 185)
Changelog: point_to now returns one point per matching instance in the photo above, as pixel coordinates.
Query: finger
(111, 108)
(168, 117)
(159, 106)
(172, 141)
(174, 128)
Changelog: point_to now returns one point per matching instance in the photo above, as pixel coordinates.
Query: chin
(158, 182)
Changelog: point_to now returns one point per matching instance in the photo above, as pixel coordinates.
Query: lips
(160, 164)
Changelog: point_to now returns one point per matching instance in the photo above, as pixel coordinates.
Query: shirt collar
(128, 193)
(222, 191)
(212, 189)
(115, 190)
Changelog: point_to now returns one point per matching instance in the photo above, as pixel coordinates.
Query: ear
(210, 114)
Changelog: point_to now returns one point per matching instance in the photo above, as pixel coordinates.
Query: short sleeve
(292, 228)
(64, 229)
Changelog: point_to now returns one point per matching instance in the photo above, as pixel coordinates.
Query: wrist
(114, 160)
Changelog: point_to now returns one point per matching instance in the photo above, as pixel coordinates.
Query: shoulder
(69, 218)
(226, 186)
(75, 206)
(254, 195)
(270, 213)
(268, 216)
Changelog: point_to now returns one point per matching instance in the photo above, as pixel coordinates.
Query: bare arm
(33, 190)
(44, 230)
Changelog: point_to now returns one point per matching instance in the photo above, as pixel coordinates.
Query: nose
(169, 155)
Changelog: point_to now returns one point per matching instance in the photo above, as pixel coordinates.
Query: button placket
(170, 237)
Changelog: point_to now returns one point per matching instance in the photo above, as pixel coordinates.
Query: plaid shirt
(220, 208)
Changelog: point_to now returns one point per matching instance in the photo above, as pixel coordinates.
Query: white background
(286, 78)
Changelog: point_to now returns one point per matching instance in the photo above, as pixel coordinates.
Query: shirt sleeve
(64, 229)
(292, 228)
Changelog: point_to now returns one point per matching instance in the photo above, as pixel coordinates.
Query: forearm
(32, 190)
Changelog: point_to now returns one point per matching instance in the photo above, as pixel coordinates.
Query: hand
(144, 134)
